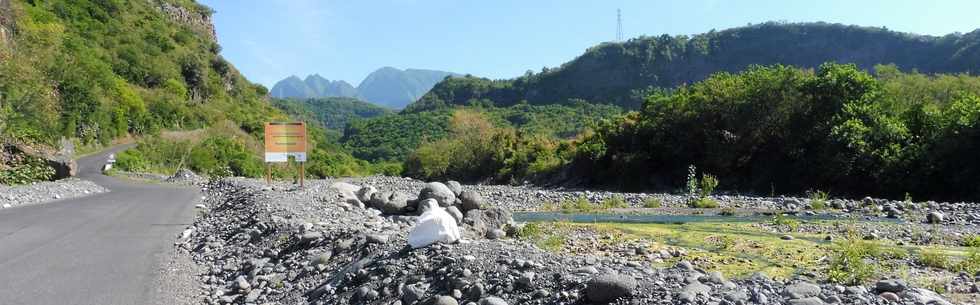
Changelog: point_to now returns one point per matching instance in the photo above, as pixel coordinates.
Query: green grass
(703, 203)
(818, 199)
(652, 203)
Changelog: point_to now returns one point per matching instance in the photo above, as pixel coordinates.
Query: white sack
(435, 225)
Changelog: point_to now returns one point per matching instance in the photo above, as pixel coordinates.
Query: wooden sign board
(283, 140)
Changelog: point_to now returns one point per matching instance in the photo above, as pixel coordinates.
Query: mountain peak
(387, 86)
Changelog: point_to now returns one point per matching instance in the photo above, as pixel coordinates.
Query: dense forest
(769, 130)
(394, 137)
(623, 73)
(331, 112)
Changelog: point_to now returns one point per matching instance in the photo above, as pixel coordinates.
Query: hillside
(387, 86)
(98, 71)
(330, 112)
(618, 73)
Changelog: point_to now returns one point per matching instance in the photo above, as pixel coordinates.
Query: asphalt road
(101, 249)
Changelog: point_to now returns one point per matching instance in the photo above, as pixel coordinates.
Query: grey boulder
(438, 191)
(609, 287)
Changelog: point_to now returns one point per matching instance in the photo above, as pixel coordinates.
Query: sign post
(284, 140)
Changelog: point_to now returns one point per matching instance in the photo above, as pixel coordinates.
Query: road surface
(101, 249)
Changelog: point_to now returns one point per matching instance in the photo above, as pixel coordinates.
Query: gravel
(279, 244)
(42, 192)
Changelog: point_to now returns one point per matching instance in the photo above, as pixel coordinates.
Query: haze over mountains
(387, 86)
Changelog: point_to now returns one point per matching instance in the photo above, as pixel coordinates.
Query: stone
(526, 279)
(476, 291)
(786, 237)
(412, 293)
(322, 259)
(470, 200)
(807, 301)
(310, 237)
(346, 190)
(926, 296)
(716, 277)
(443, 300)
(366, 193)
(685, 265)
(482, 221)
(890, 296)
(609, 287)
(496, 234)
(934, 217)
(891, 285)
(455, 187)
(438, 191)
(492, 301)
(456, 214)
(696, 288)
(801, 290)
(377, 239)
(390, 202)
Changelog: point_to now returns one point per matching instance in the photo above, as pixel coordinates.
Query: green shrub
(971, 263)
(849, 261)
(818, 199)
(703, 203)
(972, 241)
(579, 205)
(614, 202)
(934, 258)
(652, 203)
(783, 220)
(26, 169)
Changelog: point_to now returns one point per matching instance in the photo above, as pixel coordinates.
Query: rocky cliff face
(197, 18)
(6, 21)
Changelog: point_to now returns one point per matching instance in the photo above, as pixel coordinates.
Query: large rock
(390, 202)
(935, 217)
(801, 290)
(455, 187)
(609, 287)
(483, 221)
(471, 200)
(346, 190)
(438, 191)
(807, 301)
(891, 285)
(926, 296)
(366, 193)
(492, 301)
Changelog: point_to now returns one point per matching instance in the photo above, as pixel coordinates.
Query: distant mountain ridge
(618, 72)
(387, 86)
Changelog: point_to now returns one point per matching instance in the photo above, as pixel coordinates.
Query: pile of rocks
(41, 192)
(333, 243)
(186, 177)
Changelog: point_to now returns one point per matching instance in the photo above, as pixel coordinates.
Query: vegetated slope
(99, 70)
(393, 137)
(387, 86)
(331, 112)
(313, 86)
(619, 73)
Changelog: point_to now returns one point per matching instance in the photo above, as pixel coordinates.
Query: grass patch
(652, 203)
(703, 203)
(818, 199)
(972, 241)
(782, 220)
(934, 257)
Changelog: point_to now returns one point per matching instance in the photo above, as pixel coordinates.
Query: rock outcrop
(198, 18)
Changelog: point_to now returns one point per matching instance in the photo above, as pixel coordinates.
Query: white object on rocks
(435, 225)
(107, 167)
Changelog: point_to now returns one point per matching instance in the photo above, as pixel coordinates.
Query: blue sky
(271, 39)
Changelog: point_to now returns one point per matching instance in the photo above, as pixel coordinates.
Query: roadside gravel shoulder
(43, 192)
